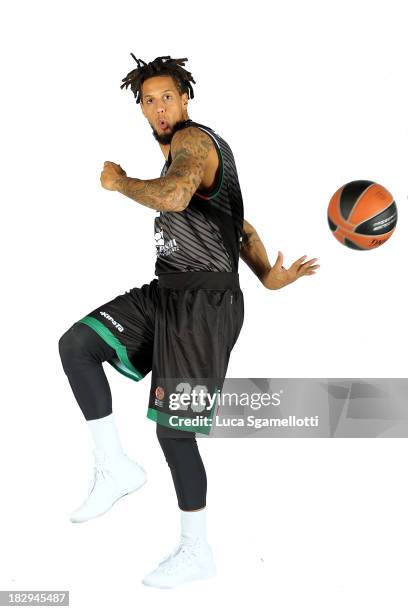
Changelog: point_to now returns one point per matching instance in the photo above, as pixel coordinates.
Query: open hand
(278, 276)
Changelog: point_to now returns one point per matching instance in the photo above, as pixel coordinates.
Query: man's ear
(184, 98)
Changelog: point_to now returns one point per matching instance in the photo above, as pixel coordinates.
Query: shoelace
(103, 470)
(183, 554)
(103, 467)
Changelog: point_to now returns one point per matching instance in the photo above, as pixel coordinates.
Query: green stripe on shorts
(122, 363)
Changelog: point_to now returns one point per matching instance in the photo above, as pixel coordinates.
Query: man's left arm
(172, 193)
(253, 252)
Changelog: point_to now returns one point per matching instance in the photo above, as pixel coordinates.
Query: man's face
(163, 106)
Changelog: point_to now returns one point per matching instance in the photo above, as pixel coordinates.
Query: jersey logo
(159, 238)
(118, 326)
(163, 248)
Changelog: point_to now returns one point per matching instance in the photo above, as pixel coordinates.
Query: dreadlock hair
(163, 65)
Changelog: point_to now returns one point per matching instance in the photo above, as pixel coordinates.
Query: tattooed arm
(172, 193)
(253, 251)
(254, 254)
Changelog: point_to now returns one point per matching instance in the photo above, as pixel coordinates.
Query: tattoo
(249, 238)
(191, 149)
(173, 192)
(155, 193)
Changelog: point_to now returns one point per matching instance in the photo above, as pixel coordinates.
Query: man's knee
(166, 433)
(178, 446)
(81, 346)
(187, 468)
(70, 347)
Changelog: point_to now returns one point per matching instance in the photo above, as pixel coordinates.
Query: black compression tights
(82, 352)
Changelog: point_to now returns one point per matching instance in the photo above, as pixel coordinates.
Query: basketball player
(185, 322)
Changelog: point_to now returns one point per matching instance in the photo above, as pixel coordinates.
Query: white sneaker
(191, 560)
(112, 480)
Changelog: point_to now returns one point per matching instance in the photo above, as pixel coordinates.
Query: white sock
(106, 437)
(193, 524)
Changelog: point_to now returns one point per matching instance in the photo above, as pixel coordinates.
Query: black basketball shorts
(181, 327)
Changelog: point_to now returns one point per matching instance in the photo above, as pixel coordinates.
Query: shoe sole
(210, 574)
(111, 506)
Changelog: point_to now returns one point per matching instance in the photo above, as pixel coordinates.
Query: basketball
(362, 215)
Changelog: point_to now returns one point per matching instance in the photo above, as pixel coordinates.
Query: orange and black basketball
(362, 215)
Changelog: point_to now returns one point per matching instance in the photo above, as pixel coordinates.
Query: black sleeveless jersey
(207, 234)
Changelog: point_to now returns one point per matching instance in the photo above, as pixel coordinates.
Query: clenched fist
(110, 174)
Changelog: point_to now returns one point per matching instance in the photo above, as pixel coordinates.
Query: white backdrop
(309, 96)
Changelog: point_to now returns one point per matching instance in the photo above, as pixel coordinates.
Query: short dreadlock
(163, 65)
